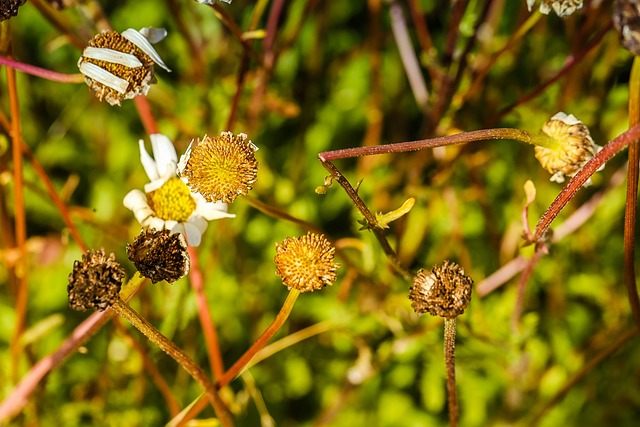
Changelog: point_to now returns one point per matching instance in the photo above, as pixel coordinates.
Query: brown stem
(166, 345)
(262, 340)
(607, 152)
(450, 363)
(632, 195)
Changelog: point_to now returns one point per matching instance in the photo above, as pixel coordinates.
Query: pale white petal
(198, 221)
(113, 56)
(544, 8)
(104, 77)
(165, 154)
(135, 199)
(211, 211)
(141, 41)
(154, 35)
(194, 235)
(169, 224)
(143, 214)
(530, 4)
(184, 159)
(154, 185)
(154, 222)
(148, 163)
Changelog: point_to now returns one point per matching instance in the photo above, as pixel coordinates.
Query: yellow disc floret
(172, 201)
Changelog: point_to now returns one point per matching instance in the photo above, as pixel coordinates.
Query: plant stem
(166, 345)
(41, 72)
(450, 363)
(262, 340)
(632, 195)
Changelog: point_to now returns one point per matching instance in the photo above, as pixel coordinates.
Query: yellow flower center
(172, 201)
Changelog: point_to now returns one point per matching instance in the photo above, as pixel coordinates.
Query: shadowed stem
(262, 340)
(632, 195)
(572, 187)
(166, 345)
(450, 363)
(41, 72)
(206, 322)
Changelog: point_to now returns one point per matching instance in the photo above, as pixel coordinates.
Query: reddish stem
(41, 72)
(146, 116)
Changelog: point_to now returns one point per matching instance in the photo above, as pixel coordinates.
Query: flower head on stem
(160, 255)
(95, 281)
(166, 201)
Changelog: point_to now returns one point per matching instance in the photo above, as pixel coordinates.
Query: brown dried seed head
(444, 291)
(160, 255)
(9, 8)
(220, 168)
(306, 263)
(626, 19)
(574, 147)
(95, 281)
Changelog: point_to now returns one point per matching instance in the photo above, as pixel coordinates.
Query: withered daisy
(562, 8)
(306, 263)
(220, 168)
(159, 255)
(95, 281)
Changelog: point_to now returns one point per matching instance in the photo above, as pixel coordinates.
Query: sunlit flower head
(220, 168)
(562, 8)
(167, 202)
(9, 8)
(95, 281)
(573, 147)
(306, 263)
(120, 66)
(160, 255)
(442, 291)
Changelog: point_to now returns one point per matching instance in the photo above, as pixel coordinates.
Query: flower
(562, 8)
(626, 19)
(573, 147)
(9, 8)
(160, 255)
(166, 201)
(306, 263)
(220, 168)
(95, 281)
(120, 66)
(443, 291)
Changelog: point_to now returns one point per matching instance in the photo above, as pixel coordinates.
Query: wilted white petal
(103, 76)
(154, 35)
(211, 211)
(148, 163)
(530, 4)
(194, 235)
(141, 41)
(165, 155)
(113, 56)
(135, 199)
(198, 221)
(154, 185)
(184, 159)
(154, 222)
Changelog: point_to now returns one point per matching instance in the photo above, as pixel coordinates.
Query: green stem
(262, 340)
(177, 354)
(450, 363)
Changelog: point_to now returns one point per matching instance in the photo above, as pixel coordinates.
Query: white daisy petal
(165, 154)
(184, 159)
(148, 163)
(154, 35)
(194, 235)
(210, 211)
(154, 185)
(170, 224)
(101, 75)
(155, 222)
(135, 199)
(141, 41)
(113, 56)
(198, 221)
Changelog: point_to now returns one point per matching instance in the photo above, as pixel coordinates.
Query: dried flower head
(306, 263)
(562, 8)
(573, 147)
(95, 281)
(160, 255)
(444, 291)
(120, 66)
(166, 201)
(626, 19)
(220, 168)
(9, 8)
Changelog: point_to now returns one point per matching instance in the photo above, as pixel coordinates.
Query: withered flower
(443, 291)
(160, 255)
(220, 168)
(95, 281)
(306, 263)
(9, 8)
(626, 19)
(562, 8)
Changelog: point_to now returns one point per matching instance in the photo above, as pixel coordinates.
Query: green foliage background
(336, 72)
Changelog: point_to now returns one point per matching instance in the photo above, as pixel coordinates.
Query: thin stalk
(262, 340)
(450, 363)
(524, 278)
(146, 116)
(632, 195)
(576, 182)
(21, 269)
(41, 72)
(166, 345)
(206, 322)
(17, 398)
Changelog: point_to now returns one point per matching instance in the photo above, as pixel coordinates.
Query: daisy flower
(167, 202)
